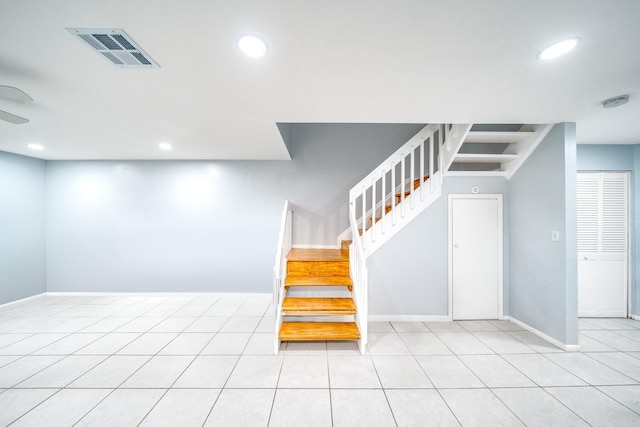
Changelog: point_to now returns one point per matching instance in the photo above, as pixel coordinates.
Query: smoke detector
(116, 46)
(616, 101)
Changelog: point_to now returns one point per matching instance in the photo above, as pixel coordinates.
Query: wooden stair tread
(416, 184)
(318, 281)
(300, 254)
(317, 263)
(318, 306)
(319, 331)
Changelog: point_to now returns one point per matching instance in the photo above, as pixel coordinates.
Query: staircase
(320, 317)
(380, 205)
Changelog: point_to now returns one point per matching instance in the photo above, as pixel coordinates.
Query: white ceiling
(368, 61)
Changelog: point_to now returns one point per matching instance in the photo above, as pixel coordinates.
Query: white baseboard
(634, 317)
(565, 347)
(23, 300)
(409, 318)
(160, 294)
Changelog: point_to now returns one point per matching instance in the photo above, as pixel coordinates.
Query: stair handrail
(360, 279)
(285, 241)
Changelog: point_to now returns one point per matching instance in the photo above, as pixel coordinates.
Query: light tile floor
(207, 361)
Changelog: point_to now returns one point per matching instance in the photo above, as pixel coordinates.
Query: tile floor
(194, 361)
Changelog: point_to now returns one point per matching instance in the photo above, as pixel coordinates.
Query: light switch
(555, 236)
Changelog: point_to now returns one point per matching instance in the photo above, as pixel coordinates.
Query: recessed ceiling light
(558, 48)
(37, 147)
(252, 45)
(165, 146)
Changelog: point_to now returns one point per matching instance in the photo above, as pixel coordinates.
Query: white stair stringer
(454, 139)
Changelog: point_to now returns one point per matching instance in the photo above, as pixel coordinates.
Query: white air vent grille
(115, 45)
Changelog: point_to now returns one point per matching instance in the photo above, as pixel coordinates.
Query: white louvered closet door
(603, 243)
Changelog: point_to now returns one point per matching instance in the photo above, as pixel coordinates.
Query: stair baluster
(280, 269)
(360, 277)
(431, 154)
(422, 167)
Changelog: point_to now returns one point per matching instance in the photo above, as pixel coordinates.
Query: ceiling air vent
(116, 46)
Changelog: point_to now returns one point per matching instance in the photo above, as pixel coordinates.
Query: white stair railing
(285, 242)
(360, 279)
(378, 212)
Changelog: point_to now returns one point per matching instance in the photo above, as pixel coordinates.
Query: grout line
(154, 405)
(562, 403)
(34, 407)
(329, 389)
(610, 367)
(506, 406)
(447, 405)
(616, 400)
(275, 391)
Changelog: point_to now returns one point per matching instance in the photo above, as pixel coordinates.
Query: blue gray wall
(194, 226)
(22, 227)
(605, 157)
(203, 226)
(409, 274)
(620, 158)
(543, 273)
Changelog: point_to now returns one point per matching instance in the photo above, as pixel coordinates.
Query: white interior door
(475, 256)
(603, 243)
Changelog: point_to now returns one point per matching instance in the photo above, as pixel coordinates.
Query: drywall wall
(409, 274)
(619, 158)
(203, 225)
(605, 157)
(22, 227)
(543, 273)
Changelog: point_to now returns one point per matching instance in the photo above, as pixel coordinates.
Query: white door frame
(498, 198)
